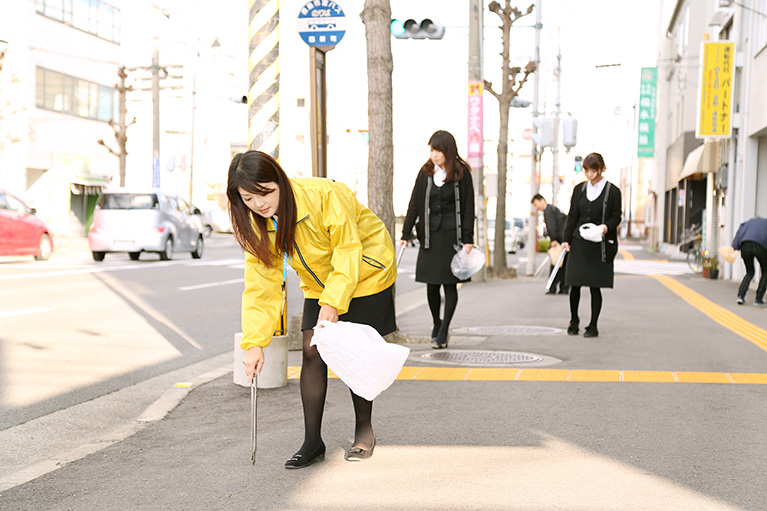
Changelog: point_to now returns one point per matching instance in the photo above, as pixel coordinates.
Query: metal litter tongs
(253, 418)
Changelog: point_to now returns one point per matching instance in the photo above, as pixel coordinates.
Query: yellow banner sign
(715, 107)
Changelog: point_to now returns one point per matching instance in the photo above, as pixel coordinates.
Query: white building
(713, 183)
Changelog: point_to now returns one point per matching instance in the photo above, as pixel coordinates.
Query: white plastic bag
(591, 232)
(465, 265)
(359, 356)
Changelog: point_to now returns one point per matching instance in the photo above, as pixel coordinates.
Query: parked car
(521, 229)
(510, 238)
(144, 221)
(206, 219)
(21, 232)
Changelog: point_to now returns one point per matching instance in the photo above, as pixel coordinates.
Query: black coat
(416, 209)
(555, 222)
(591, 264)
(612, 214)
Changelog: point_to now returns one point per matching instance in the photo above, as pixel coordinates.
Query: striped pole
(264, 66)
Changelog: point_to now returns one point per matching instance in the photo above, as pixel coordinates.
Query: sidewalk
(472, 445)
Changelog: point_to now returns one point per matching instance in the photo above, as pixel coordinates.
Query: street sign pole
(321, 25)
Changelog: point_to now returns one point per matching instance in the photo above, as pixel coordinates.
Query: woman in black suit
(443, 204)
(590, 263)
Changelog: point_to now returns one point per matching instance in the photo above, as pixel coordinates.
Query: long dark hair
(247, 171)
(455, 166)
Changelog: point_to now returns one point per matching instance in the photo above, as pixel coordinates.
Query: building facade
(710, 183)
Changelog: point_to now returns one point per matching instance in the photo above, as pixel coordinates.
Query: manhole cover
(513, 330)
(476, 357)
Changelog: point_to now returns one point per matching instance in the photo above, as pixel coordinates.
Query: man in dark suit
(555, 227)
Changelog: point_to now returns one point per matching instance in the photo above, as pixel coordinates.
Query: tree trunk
(377, 17)
(499, 246)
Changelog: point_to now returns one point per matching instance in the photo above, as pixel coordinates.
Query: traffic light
(569, 132)
(413, 29)
(543, 137)
(578, 164)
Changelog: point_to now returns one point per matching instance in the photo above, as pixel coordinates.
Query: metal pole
(156, 114)
(555, 129)
(191, 149)
(475, 75)
(532, 246)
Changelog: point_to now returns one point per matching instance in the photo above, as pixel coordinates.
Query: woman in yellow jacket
(344, 257)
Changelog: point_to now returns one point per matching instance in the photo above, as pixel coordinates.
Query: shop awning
(91, 180)
(701, 160)
(88, 184)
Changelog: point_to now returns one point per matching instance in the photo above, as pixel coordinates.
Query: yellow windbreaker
(342, 251)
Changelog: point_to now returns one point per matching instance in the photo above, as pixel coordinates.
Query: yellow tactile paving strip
(729, 320)
(581, 375)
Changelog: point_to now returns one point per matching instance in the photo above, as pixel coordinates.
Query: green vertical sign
(648, 87)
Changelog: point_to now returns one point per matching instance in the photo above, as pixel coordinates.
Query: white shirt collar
(593, 191)
(439, 175)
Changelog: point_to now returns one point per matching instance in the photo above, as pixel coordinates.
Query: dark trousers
(750, 250)
(559, 280)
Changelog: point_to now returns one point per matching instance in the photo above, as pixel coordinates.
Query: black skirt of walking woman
(433, 264)
(375, 310)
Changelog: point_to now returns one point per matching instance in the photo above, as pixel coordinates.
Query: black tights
(441, 326)
(314, 386)
(596, 304)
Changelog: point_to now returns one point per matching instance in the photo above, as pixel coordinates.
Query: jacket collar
(302, 210)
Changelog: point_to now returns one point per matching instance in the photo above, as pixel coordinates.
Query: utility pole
(156, 114)
(476, 37)
(532, 245)
(555, 127)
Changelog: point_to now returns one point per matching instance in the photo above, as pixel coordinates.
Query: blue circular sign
(321, 23)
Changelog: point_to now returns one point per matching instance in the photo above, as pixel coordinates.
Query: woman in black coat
(442, 203)
(590, 263)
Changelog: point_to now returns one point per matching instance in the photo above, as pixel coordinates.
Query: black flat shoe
(358, 453)
(436, 345)
(572, 328)
(304, 460)
(591, 331)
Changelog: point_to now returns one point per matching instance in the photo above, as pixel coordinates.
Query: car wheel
(44, 248)
(197, 252)
(207, 231)
(167, 254)
(134, 255)
(98, 256)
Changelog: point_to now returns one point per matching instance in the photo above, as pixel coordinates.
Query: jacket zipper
(372, 262)
(301, 257)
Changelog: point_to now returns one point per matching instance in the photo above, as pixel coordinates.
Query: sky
(430, 76)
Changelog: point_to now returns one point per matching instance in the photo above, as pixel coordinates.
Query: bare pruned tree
(376, 16)
(511, 84)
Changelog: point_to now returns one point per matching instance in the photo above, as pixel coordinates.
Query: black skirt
(375, 310)
(433, 264)
(585, 266)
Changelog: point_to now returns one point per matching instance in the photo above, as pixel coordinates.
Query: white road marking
(22, 312)
(211, 284)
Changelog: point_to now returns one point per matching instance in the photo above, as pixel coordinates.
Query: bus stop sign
(321, 23)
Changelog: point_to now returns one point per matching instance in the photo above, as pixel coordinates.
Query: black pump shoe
(572, 328)
(591, 331)
(358, 453)
(436, 345)
(303, 460)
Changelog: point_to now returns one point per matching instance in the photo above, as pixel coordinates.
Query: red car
(21, 232)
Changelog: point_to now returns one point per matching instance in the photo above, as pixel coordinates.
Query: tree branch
(489, 88)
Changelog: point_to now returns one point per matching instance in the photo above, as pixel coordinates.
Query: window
(93, 16)
(66, 94)
(759, 15)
